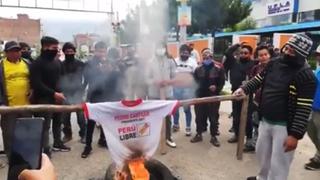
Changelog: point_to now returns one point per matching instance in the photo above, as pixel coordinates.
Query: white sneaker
(171, 143)
(188, 131)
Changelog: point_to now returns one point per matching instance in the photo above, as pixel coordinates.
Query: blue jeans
(182, 94)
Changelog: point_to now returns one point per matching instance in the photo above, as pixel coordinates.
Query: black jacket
(287, 93)
(72, 81)
(44, 76)
(206, 76)
(239, 70)
(103, 81)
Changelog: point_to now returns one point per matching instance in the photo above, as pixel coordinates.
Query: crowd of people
(281, 79)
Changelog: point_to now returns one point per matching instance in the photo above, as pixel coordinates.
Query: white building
(279, 12)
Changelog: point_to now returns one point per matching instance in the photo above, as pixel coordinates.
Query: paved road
(189, 161)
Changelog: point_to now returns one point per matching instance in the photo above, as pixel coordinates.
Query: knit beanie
(301, 43)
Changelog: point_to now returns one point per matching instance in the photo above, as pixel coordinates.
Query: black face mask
(69, 57)
(26, 55)
(184, 58)
(49, 54)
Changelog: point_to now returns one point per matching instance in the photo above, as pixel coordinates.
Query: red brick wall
(20, 29)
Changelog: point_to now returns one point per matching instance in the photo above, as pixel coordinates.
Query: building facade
(279, 12)
(22, 29)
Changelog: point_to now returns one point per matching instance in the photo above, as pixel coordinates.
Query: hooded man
(45, 75)
(287, 89)
(73, 86)
(26, 51)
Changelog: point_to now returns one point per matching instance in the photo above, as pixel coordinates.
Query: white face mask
(160, 52)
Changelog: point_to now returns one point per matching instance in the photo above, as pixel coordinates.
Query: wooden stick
(40, 108)
(242, 127)
(78, 107)
(209, 100)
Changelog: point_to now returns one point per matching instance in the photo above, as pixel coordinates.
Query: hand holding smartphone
(26, 146)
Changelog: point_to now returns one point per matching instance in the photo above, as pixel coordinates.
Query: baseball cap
(11, 45)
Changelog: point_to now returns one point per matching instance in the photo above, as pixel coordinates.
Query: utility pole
(184, 20)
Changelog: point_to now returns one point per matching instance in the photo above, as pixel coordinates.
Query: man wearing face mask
(45, 74)
(239, 68)
(160, 72)
(287, 86)
(26, 51)
(103, 80)
(210, 78)
(73, 86)
(185, 67)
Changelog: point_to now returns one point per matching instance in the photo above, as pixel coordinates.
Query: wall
(20, 29)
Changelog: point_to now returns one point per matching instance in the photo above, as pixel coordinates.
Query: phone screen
(26, 146)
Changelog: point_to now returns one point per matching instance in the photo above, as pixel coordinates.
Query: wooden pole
(163, 147)
(242, 127)
(78, 107)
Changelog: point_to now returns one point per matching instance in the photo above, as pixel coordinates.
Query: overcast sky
(64, 24)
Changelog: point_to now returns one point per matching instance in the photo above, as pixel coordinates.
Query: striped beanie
(301, 43)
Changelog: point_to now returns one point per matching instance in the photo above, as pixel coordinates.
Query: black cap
(11, 45)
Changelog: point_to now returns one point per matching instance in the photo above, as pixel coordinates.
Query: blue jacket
(316, 100)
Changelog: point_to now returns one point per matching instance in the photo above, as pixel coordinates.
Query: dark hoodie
(103, 81)
(45, 74)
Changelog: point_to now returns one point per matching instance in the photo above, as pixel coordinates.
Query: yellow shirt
(16, 77)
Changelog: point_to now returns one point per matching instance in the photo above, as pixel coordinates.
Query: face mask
(50, 54)
(160, 52)
(207, 62)
(184, 57)
(289, 58)
(26, 55)
(69, 57)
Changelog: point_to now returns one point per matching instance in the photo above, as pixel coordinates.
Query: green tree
(246, 24)
(235, 11)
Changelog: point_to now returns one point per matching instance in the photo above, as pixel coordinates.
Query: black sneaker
(196, 138)
(86, 152)
(214, 141)
(312, 166)
(249, 149)
(47, 151)
(234, 139)
(103, 143)
(61, 147)
(252, 178)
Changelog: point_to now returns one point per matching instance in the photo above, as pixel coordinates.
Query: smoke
(153, 23)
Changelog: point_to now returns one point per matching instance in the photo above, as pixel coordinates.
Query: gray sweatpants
(274, 163)
(314, 133)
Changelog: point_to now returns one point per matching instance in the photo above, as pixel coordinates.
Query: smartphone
(26, 148)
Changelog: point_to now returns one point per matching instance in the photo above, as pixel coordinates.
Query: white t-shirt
(131, 127)
(188, 66)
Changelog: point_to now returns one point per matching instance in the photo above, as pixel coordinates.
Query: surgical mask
(207, 62)
(160, 52)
